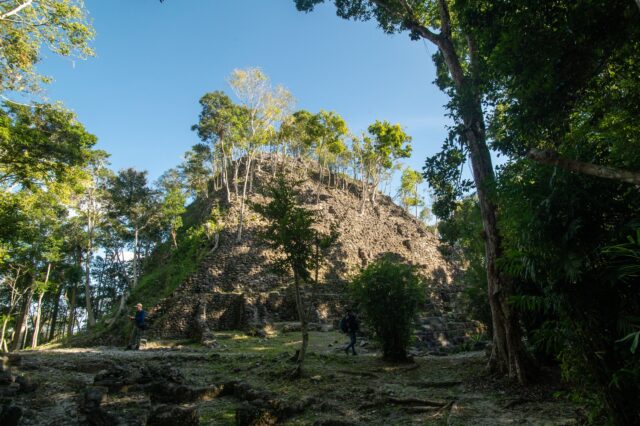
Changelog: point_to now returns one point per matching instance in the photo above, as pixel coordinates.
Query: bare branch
(552, 158)
(16, 10)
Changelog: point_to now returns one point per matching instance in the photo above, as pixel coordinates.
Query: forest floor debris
(244, 381)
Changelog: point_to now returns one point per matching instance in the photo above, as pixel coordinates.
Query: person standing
(350, 326)
(138, 327)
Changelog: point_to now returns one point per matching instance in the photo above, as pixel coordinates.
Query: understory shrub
(389, 294)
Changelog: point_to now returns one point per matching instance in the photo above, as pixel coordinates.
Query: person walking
(350, 326)
(138, 327)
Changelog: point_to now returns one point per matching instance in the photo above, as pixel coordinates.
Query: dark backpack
(344, 325)
(354, 324)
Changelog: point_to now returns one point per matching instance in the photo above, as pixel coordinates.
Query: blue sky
(154, 61)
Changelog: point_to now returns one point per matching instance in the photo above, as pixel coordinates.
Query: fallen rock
(94, 396)
(6, 378)
(250, 415)
(116, 378)
(333, 422)
(9, 391)
(26, 384)
(10, 415)
(172, 415)
(90, 407)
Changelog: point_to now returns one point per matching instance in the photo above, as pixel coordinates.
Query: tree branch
(473, 55)
(16, 10)
(445, 18)
(410, 21)
(552, 158)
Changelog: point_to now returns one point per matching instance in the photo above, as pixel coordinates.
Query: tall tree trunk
(26, 333)
(36, 327)
(508, 354)
(71, 295)
(251, 178)
(274, 162)
(364, 195)
(21, 321)
(320, 176)
(54, 314)
(3, 342)
(91, 319)
(244, 197)
(14, 298)
(225, 176)
(415, 190)
(135, 258)
(374, 191)
(125, 294)
(174, 235)
(236, 167)
(303, 324)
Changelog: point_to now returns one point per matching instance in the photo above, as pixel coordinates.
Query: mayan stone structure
(235, 288)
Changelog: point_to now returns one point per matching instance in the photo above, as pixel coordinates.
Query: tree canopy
(26, 26)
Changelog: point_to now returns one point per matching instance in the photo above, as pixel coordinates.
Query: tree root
(437, 385)
(357, 373)
(417, 402)
(514, 402)
(411, 404)
(411, 367)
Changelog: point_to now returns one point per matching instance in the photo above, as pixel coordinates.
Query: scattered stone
(10, 415)
(6, 378)
(94, 396)
(250, 415)
(10, 390)
(173, 415)
(14, 359)
(26, 384)
(333, 422)
(95, 415)
(4, 363)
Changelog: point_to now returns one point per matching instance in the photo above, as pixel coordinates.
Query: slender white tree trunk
(244, 196)
(225, 175)
(3, 342)
(173, 237)
(236, 167)
(91, 319)
(36, 328)
(135, 258)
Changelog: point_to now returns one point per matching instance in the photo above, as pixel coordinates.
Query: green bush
(389, 293)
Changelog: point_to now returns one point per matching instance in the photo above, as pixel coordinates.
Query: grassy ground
(354, 389)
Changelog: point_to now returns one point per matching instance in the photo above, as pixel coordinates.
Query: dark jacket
(352, 323)
(139, 319)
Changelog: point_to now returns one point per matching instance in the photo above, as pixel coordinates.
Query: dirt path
(247, 378)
